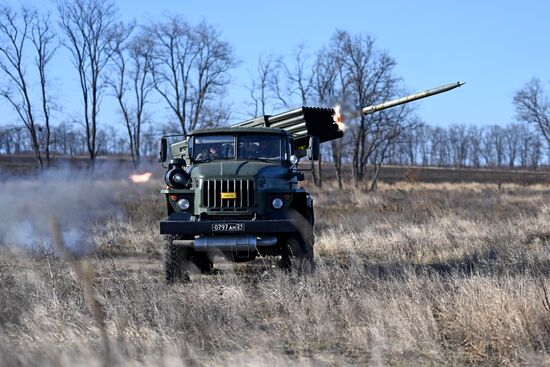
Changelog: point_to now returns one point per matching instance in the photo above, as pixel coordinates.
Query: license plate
(227, 227)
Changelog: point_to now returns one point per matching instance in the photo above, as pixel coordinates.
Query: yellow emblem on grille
(229, 195)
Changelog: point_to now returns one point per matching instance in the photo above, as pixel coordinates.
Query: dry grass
(413, 274)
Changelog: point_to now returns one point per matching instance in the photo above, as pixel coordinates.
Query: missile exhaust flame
(339, 118)
(140, 178)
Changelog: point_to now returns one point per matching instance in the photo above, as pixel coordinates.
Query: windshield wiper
(266, 160)
(206, 160)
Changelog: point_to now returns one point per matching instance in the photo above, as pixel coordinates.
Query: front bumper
(181, 223)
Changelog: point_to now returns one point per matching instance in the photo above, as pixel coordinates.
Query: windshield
(260, 147)
(209, 147)
(250, 146)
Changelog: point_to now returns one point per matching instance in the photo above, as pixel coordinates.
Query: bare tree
(535, 155)
(263, 89)
(394, 127)
(43, 39)
(149, 141)
(300, 77)
(409, 142)
(141, 54)
(524, 146)
(215, 59)
(533, 106)
(497, 135)
(132, 84)
(7, 139)
(215, 115)
(459, 144)
(474, 141)
(440, 151)
(16, 28)
(300, 74)
(327, 85)
(488, 149)
(191, 65)
(92, 31)
(369, 79)
(357, 75)
(120, 86)
(422, 133)
(512, 141)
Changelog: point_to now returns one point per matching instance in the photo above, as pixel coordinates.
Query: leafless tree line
(27, 45)
(510, 146)
(187, 67)
(524, 144)
(514, 146)
(69, 139)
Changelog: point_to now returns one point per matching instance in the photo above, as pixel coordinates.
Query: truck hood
(238, 169)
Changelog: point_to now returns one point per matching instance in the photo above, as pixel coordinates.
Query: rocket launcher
(313, 125)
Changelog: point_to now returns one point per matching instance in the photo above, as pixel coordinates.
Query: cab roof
(233, 130)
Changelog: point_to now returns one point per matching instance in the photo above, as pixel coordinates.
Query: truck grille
(243, 190)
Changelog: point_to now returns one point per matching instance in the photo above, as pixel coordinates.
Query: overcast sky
(493, 46)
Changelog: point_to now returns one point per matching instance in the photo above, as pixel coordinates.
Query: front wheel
(298, 254)
(203, 263)
(176, 260)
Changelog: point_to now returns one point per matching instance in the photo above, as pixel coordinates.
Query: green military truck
(235, 191)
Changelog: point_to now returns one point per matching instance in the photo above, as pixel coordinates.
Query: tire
(297, 249)
(176, 260)
(203, 262)
(298, 254)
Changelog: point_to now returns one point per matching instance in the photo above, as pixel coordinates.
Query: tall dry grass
(440, 274)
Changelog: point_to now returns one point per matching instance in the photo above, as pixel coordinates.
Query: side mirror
(163, 149)
(313, 149)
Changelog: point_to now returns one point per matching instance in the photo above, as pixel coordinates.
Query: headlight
(183, 204)
(277, 203)
(181, 178)
(177, 177)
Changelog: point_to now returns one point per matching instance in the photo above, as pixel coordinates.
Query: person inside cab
(209, 154)
(270, 149)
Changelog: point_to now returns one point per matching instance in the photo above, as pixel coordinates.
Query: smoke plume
(75, 198)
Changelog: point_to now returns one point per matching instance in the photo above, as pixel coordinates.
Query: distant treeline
(513, 145)
(460, 145)
(69, 139)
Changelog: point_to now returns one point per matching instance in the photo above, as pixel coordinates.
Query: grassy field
(416, 273)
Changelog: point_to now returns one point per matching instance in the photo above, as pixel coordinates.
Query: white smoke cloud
(72, 197)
